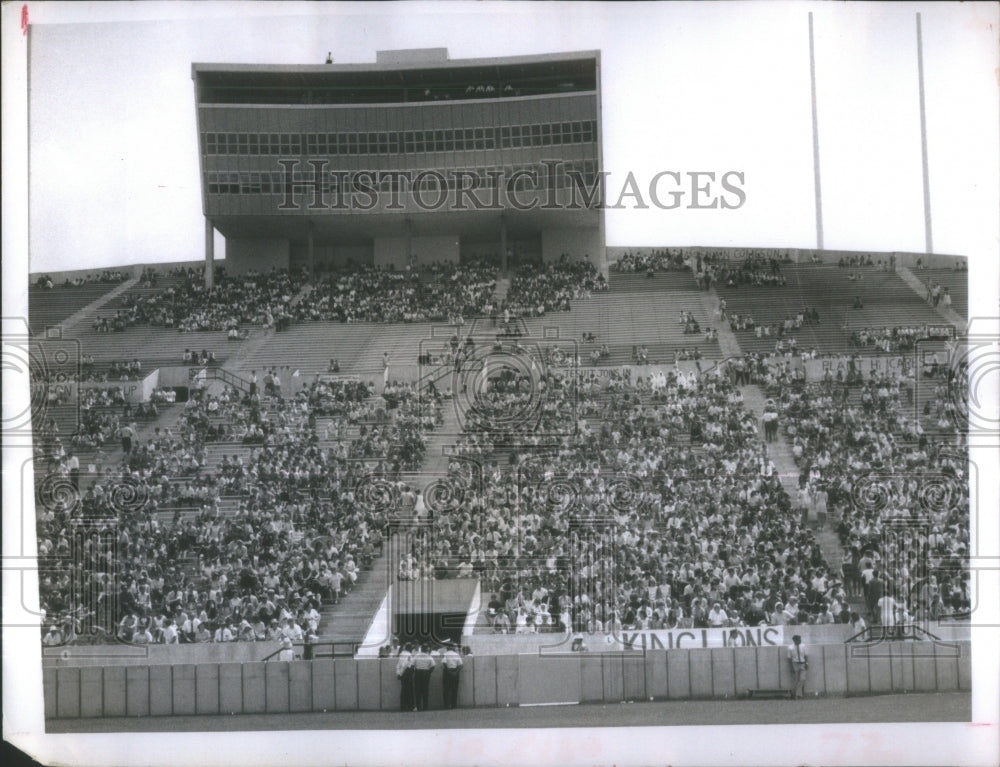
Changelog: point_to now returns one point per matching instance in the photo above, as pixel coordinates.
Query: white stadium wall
(258, 253)
(343, 255)
(428, 250)
(583, 243)
(390, 252)
(491, 681)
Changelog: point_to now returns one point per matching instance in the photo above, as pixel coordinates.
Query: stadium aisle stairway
(349, 621)
(66, 306)
(958, 286)
(500, 292)
(778, 451)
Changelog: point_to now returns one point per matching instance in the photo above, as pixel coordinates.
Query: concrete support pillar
(409, 244)
(503, 244)
(209, 254)
(311, 249)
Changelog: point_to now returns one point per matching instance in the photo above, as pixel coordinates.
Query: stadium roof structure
(282, 149)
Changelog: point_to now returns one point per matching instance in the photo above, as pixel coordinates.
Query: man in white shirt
(170, 632)
(404, 673)
(798, 656)
(423, 665)
(717, 616)
(292, 630)
(887, 610)
(452, 664)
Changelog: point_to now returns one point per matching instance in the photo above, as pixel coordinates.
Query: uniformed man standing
(451, 663)
(423, 666)
(798, 656)
(404, 673)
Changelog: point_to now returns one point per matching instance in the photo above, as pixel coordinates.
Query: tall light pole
(928, 238)
(815, 126)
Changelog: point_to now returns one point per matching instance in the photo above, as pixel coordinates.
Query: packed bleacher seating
(657, 260)
(254, 298)
(300, 533)
(440, 292)
(753, 271)
(885, 476)
(670, 466)
(538, 289)
(640, 500)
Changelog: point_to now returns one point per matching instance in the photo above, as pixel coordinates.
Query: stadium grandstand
(415, 160)
(557, 444)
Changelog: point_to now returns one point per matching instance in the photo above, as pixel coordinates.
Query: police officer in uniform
(404, 673)
(423, 666)
(451, 663)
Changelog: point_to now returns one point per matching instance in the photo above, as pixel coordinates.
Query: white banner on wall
(688, 639)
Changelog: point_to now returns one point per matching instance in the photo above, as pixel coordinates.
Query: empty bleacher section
(635, 311)
(50, 307)
(957, 284)
(885, 302)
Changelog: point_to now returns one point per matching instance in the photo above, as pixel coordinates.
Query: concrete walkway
(349, 621)
(500, 291)
(920, 289)
(727, 338)
(779, 451)
(74, 319)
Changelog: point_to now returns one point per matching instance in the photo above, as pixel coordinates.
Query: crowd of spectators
(660, 505)
(653, 505)
(251, 299)
(537, 289)
(888, 339)
(441, 291)
(657, 260)
(862, 259)
(901, 498)
(756, 271)
(108, 277)
(189, 570)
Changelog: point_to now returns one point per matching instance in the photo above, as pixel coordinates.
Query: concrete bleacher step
(216, 451)
(501, 290)
(54, 307)
(349, 620)
(887, 297)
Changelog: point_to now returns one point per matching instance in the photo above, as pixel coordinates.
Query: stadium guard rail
(347, 684)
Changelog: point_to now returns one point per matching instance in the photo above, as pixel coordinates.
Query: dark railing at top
(227, 377)
(896, 633)
(337, 650)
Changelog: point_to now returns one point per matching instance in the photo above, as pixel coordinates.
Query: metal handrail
(333, 645)
(227, 377)
(902, 631)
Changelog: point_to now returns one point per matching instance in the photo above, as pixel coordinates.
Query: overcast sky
(114, 166)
